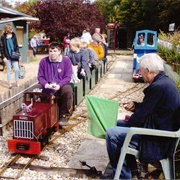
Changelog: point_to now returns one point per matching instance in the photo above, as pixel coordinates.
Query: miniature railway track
(130, 91)
(14, 165)
(13, 162)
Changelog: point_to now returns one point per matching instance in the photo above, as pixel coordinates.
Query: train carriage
(145, 42)
(33, 126)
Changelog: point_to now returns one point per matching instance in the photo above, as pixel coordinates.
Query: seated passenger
(54, 75)
(79, 57)
(158, 110)
(140, 40)
(96, 46)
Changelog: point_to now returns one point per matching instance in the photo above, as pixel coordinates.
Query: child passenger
(92, 57)
(78, 57)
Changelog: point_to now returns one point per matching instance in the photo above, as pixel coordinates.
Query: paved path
(93, 150)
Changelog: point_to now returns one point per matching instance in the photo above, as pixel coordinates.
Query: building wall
(122, 37)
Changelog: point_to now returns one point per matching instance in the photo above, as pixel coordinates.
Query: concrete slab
(93, 151)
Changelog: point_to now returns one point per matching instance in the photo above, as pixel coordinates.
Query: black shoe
(107, 176)
(63, 120)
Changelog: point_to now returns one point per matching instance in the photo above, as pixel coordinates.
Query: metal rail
(89, 172)
(13, 163)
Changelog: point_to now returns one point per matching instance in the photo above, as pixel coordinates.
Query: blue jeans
(66, 51)
(115, 137)
(15, 65)
(34, 51)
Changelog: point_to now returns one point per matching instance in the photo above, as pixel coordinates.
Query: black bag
(15, 56)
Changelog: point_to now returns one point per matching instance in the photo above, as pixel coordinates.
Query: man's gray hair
(152, 61)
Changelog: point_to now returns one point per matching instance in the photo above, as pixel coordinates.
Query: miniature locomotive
(145, 42)
(34, 124)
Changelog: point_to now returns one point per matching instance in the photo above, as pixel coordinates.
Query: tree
(57, 18)
(141, 14)
(109, 9)
(25, 6)
(170, 12)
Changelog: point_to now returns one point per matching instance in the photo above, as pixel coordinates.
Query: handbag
(15, 56)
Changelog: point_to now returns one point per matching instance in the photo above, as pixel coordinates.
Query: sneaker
(63, 120)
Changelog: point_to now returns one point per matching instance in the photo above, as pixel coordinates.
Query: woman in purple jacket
(54, 75)
(158, 110)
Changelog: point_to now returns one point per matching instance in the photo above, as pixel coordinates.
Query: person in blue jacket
(158, 110)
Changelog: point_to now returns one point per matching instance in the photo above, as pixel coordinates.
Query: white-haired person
(158, 110)
(34, 45)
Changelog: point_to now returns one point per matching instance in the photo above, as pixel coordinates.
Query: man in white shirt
(86, 36)
(33, 44)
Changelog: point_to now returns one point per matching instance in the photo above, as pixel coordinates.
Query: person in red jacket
(66, 42)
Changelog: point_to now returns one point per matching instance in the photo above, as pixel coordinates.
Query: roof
(7, 15)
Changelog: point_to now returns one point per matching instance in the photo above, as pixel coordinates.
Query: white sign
(171, 27)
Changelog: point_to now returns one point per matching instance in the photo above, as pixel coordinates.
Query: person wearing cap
(96, 46)
(33, 44)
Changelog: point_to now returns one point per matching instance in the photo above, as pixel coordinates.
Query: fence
(10, 103)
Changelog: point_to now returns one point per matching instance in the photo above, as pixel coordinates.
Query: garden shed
(20, 22)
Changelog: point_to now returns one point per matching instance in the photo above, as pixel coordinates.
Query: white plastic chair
(168, 165)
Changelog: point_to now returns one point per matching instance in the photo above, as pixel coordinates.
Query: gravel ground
(62, 148)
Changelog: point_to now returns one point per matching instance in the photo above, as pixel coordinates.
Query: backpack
(93, 59)
(22, 72)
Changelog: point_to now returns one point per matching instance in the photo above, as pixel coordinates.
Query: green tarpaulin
(102, 114)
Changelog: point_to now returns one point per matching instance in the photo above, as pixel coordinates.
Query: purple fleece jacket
(57, 72)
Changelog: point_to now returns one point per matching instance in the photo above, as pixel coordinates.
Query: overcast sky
(13, 1)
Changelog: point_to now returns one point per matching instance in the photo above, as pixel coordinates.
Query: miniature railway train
(34, 124)
(145, 42)
(38, 118)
